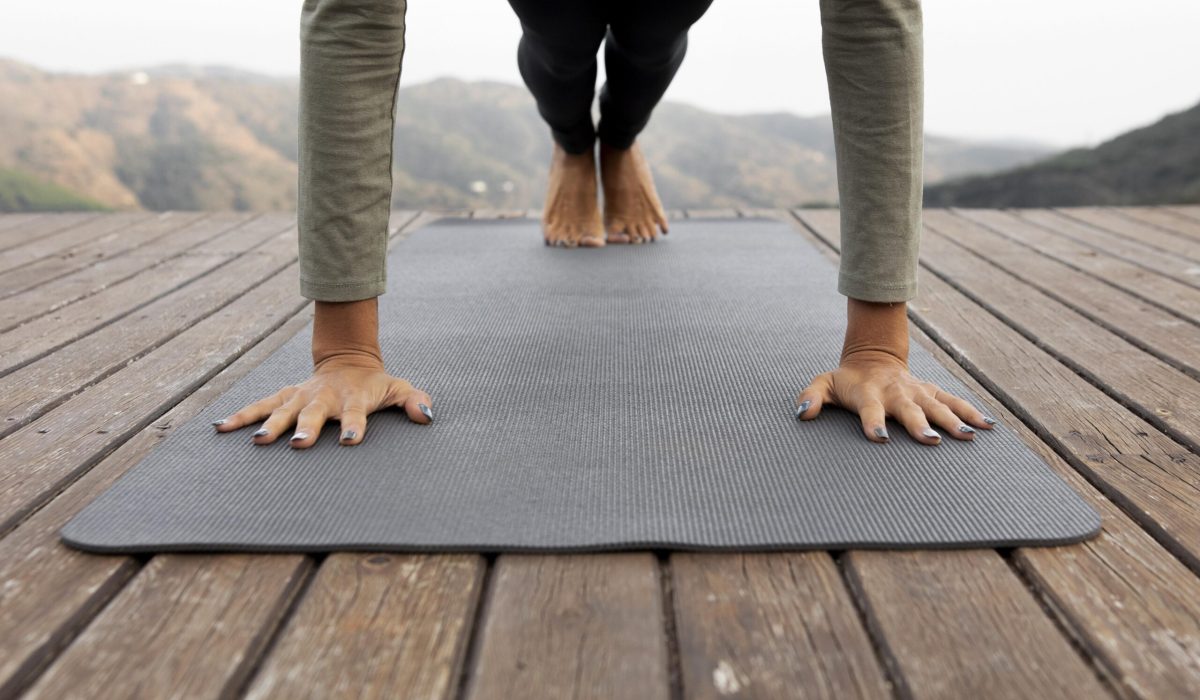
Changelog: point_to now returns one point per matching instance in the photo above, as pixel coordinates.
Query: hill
(187, 137)
(21, 192)
(1156, 164)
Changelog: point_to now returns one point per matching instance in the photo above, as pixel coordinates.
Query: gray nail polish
(965, 429)
(260, 433)
(299, 436)
(930, 432)
(881, 433)
(220, 422)
(802, 408)
(425, 409)
(989, 421)
(349, 435)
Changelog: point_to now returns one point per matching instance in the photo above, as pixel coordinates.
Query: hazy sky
(1066, 72)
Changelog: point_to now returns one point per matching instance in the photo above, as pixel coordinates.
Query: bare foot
(572, 215)
(632, 211)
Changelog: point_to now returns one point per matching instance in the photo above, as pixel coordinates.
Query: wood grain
(1148, 327)
(377, 626)
(187, 626)
(1168, 294)
(49, 591)
(577, 626)
(959, 624)
(1160, 239)
(46, 234)
(770, 626)
(36, 338)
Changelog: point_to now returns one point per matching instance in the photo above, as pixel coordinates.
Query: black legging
(644, 44)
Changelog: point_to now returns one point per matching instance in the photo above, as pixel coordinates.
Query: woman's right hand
(343, 389)
(348, 383)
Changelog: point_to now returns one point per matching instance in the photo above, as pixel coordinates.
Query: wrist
(346, 334)
(876, 331)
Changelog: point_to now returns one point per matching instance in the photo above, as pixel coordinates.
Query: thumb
(814, 396)
(417, 405)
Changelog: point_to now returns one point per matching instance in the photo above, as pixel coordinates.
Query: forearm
(347, 333)
(350, 59)
(876, 331)
(874, 65)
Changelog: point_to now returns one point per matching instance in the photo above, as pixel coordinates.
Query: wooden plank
(770, 626)
(1167, 337)
(1174, 219)
(49, 591)
(40, 230)
(1160, 239)
(1188, 212)
(56, 448)
(1167, 294)
(579, 626)
(1153, 389)
(960, 624)
(712, 213)
(1111, 244)
(9, 222)
(498, 214)
(1153, 477)
(70, 323)
(45, 298)
(377, 626)
(115, 243)
(66, 233)
(1124, 598)
(1128, 602)
(31, 390)
(186, 626)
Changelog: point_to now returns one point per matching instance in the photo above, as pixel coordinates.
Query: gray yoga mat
(615, 398)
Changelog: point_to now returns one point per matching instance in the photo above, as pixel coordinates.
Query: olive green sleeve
(874, 66)
(350, 57)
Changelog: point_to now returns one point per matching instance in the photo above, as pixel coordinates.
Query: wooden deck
(1082, 326)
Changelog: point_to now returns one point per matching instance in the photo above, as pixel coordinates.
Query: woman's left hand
(877, 385)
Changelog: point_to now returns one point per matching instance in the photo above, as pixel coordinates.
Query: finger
(354, 426)
(965, 410)
(278, 423)
(941, 415)
(254, 412)
(662, 222)
(814, 396)
(309, 424)
(874, 421)
(416, 404)
(913, 419)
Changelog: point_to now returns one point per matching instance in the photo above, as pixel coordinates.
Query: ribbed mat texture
(615, 398)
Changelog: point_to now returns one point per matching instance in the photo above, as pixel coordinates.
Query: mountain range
(205, 138)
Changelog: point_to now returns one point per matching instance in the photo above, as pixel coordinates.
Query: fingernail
(220, 422)
(299, 436)
(930, 432)
(260, 433)
(349, 435)
(989, 421)
(802, 408)
(965, 429)
(881, 433)
(425, 409)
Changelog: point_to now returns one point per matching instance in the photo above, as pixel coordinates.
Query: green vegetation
(1157, 164)
(22, 192)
